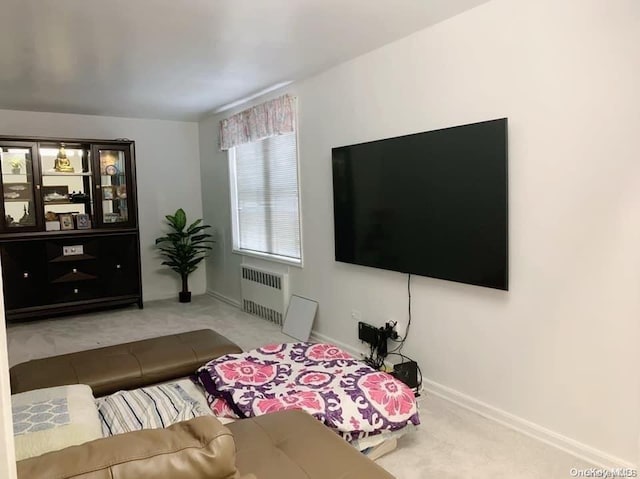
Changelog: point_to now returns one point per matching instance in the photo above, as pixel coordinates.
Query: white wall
(7, 451)
(559, 349)
(168, 174)
(223, 267)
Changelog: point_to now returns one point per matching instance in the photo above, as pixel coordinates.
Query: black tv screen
(432, 204)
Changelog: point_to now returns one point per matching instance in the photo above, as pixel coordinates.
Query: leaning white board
(299, 319)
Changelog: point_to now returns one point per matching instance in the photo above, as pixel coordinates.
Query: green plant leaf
(180, 219)
(201, 237)
(193, 225)
(170, 219)
(198, 229)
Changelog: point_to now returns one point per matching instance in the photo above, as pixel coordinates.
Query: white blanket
(50, 419)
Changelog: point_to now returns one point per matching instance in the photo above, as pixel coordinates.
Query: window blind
(267, 206)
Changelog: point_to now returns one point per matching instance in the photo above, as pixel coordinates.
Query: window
(264, 198)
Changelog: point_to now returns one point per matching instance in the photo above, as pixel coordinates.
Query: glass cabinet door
(113, 189)
(18, 187)
(66, 186)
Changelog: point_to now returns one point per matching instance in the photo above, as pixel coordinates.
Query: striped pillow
(146, 408)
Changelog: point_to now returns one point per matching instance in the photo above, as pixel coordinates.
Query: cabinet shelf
(15, 235)
(50, 173)
(53, 203)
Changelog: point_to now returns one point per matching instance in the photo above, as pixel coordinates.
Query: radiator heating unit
(264, 293)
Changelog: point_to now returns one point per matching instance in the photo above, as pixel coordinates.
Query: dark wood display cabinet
(69, 239)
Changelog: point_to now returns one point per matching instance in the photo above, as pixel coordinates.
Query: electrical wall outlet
(390, 330)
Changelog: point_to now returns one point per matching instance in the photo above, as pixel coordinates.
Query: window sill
(269, 257)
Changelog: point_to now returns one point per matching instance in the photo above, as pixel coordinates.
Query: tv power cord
(378, 351)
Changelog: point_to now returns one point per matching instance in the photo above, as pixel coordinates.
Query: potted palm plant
(183, 248)
(16, 166)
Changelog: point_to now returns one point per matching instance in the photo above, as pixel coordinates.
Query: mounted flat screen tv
(432, 204)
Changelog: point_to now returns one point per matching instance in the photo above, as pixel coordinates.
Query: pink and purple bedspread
(345, 394)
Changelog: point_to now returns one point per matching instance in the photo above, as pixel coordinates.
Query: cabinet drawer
(69, 292)
(72, 271)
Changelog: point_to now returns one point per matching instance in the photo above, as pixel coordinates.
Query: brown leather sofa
(200, 448)
(283, 445)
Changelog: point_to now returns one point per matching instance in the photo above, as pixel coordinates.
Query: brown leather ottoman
(294, 445)
(124, 366)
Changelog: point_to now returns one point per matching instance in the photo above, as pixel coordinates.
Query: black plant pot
(185, 297)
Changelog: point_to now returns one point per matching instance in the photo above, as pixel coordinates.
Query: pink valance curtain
(272, 118)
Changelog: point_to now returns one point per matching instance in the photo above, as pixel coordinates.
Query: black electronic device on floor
(407, 372)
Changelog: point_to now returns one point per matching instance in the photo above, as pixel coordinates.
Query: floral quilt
(345, 394)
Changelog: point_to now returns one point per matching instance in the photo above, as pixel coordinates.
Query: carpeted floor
(451, 443)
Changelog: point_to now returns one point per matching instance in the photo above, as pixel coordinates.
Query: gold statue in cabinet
(62, 163)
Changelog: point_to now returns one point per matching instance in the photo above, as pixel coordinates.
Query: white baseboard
(224, 298)
(582, 451)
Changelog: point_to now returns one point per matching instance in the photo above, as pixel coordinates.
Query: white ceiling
(180, 59)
